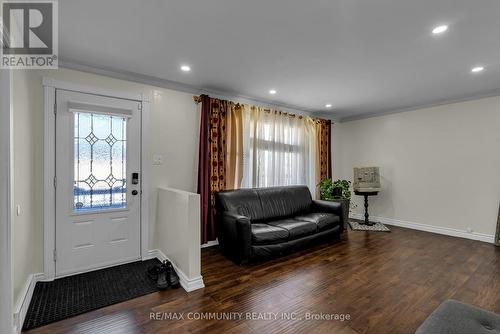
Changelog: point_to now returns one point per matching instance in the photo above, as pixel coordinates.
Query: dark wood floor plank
(386, 282)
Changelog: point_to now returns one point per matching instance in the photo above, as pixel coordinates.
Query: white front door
(98, 181)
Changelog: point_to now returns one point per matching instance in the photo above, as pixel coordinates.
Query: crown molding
(480, 96)
(178, 86)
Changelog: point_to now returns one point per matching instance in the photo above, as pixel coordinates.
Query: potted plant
(337, 191)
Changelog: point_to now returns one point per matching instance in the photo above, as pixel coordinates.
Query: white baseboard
(210, 243)
(24, 300)
(189, 284)
(431, 228)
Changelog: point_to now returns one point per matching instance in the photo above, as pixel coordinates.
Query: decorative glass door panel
(100, 179)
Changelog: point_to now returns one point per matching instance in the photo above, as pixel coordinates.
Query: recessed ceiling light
(477, 69)
(272, 91)
(328, 105)
(439, 29)
(185, 68)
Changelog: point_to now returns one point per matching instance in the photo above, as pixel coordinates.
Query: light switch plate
(157, 159)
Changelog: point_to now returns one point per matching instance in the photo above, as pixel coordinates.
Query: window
(100, 162)
(277, 151)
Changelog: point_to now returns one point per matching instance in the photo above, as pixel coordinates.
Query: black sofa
(264, 222)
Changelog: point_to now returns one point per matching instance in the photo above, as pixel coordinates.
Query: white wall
(173, 133)
(27, 229)
(439, 166)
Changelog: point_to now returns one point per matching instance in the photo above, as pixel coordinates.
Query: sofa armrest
(233, 216)
(330, 207)
(235, 234)
(327, 206)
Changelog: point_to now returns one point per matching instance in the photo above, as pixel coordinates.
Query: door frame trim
(50, 86)
(6, 198)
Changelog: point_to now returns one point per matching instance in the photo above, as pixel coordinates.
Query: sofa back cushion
(261, 204)
(286, 201)
(245, 202)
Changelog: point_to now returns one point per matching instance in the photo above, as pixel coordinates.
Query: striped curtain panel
(221, 156)
(323, 149)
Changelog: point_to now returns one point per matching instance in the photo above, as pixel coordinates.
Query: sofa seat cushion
(324, 221)
(264, 234)
(296, 228)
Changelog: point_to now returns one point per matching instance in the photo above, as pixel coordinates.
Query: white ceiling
(364, 56)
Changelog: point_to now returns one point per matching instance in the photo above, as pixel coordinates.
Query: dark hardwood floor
(385, 282)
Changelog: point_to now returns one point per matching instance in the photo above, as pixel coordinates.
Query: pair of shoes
(164, 275)
(157, 274)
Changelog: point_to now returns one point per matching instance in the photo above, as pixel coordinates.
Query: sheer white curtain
(278, 149)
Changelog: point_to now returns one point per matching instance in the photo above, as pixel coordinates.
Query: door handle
(134, 192)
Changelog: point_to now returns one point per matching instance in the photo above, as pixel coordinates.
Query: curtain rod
(197, 99)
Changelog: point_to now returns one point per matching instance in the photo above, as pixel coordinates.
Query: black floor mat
(69, 296)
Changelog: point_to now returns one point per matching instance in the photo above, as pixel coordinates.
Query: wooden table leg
(367, 220)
